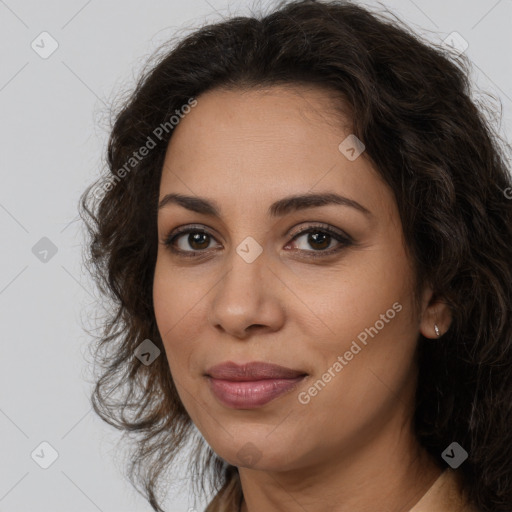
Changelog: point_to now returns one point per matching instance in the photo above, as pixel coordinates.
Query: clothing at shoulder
(445, 495)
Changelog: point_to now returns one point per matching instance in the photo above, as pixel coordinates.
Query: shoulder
(445, 495)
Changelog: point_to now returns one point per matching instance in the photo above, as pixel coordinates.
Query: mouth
(251, 385)
(256, 370)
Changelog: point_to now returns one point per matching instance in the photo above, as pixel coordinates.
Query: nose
(247, 299)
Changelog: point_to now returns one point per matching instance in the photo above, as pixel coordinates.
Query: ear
(434, 311)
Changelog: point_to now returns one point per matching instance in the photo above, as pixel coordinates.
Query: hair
(434, 147)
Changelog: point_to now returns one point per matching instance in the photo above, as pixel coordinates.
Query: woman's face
(250, 288)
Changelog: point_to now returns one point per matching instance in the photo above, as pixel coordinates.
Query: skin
(351, 446)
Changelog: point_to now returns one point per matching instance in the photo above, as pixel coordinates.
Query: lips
(251, 385)
(252, 371)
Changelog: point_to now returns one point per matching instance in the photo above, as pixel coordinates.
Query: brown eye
(197, 240)
(322, 240)
(319, 241)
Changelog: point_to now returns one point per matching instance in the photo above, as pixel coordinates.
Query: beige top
(445, 495)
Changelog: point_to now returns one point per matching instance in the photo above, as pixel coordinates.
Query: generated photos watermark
(157, 135)
(304, 397)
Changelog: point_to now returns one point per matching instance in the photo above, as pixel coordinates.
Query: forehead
(261, 142)
(278, 122)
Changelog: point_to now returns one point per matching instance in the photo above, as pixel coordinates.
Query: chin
(258, 453)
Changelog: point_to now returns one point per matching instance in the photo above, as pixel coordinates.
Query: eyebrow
(277, 209)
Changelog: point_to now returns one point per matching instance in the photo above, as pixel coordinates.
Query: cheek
(359, 385)
(355, 295)
(177, 298)
(177, 310)
(372, 327)
(351, 402)
(164, 301)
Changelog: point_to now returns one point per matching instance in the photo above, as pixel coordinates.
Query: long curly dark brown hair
(432, 143)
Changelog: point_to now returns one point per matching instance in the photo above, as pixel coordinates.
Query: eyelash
(344, 241)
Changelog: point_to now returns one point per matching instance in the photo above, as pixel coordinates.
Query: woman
(307, 230)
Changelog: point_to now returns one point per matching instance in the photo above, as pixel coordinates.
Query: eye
(322, 239)
(198, 240)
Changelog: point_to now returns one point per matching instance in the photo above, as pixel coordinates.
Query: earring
(438, 332)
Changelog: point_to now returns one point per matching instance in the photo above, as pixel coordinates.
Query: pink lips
(251, 385)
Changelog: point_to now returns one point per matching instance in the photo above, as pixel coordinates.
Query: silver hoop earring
(438, 332)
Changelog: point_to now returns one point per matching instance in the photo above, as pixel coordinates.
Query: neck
(390, 473)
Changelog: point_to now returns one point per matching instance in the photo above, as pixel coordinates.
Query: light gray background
(53, 119)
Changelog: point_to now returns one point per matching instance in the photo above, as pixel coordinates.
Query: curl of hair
(411, 105)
